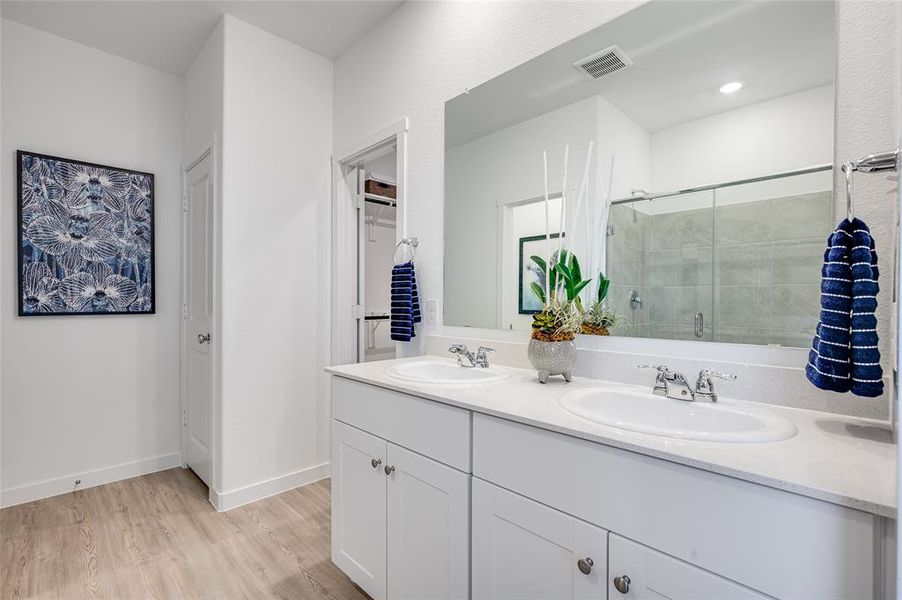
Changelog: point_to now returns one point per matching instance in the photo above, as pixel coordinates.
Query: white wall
(277, 134)
(781, 134)
(94, 398)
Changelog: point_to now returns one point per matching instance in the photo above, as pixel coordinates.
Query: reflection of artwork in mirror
(533, 245)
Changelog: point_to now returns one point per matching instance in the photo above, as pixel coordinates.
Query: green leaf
(538, 291)
(574, 268)
(540, 262)
(603, 285)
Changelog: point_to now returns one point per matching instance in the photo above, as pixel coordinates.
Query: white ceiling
(167, 35)
(682, 52)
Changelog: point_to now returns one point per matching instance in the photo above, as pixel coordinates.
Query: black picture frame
(522, 291)
(150, 299)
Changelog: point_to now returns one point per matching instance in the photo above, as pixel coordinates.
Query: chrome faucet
(467, 359)
(704, 386)
(671, 384)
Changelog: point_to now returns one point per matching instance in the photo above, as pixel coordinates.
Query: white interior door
(428, 527)
(198, 314)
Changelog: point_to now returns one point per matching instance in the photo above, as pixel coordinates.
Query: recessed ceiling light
(729, 88)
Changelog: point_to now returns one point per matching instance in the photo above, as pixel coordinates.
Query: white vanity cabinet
(522, 549)
(400, 493)
(435, 501)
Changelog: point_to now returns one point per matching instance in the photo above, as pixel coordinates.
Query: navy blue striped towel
(844, 355)
(405, 302)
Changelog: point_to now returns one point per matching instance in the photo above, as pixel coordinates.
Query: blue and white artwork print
(85, 238)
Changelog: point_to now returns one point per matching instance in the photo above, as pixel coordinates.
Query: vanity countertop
(843, 460)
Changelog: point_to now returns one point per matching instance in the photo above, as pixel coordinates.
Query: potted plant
(599, 318)
(552, 350)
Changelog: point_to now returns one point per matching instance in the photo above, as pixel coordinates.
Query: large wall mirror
(699, 143)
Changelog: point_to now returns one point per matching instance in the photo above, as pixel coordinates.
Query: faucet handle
(456, 348)
(659, 368)
(707, 374)
(482, 359)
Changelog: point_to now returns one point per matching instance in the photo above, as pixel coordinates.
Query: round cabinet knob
(622, 583)
(389, 470)
(376, 462)
(585, 565)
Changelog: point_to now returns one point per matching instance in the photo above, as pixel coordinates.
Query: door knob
(376, 462)
(622, 583)
(389, 470)
(585, 565)
(203, 338)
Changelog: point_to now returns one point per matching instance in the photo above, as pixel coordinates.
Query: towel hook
(848, 169)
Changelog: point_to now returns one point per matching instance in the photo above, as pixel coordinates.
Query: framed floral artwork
(85, 238)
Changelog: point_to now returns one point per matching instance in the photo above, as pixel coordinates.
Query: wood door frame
(215, 319)
(343, 249)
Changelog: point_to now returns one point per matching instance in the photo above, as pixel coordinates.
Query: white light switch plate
(430, 312)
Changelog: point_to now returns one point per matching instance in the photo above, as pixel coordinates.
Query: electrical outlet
(430, 312)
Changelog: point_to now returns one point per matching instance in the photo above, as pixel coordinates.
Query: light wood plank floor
(156, 536)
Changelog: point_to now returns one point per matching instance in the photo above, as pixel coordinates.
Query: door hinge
(184, 311)
(185, 418)
(357, 311)
(185, 205)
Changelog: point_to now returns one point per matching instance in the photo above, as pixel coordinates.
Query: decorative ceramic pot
(552, 358)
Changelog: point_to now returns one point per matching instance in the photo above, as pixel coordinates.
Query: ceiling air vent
(601, 64)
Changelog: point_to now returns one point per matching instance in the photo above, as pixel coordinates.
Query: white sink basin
(656, 415)
(441, 372)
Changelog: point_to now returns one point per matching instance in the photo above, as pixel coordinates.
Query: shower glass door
(660, 262)
(736, 263)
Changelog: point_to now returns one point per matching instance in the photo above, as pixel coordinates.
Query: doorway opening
(368, 223)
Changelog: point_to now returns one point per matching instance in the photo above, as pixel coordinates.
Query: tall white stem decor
(560, 237)
(547, 230)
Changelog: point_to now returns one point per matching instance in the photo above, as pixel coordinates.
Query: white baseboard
(223, 501)
(64, 485)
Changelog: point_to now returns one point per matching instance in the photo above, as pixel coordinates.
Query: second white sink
(656, 415)
(440, 372)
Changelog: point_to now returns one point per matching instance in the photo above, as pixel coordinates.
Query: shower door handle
(699, 324)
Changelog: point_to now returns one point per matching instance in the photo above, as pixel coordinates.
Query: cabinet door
(358, 507)
(525, 550)
(428, 528)
(653, 575)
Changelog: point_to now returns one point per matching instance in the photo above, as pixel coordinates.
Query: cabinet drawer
(430, 428)
(777, 542)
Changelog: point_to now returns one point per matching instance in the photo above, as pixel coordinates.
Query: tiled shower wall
(752, 269)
